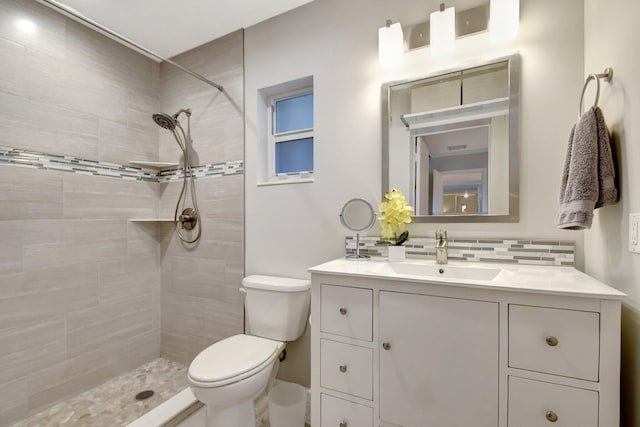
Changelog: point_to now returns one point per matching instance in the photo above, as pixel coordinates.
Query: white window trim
(273, 138)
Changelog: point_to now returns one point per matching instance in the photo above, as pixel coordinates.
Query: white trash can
(287, 404)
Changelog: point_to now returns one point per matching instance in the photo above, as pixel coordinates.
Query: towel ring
(607, 75)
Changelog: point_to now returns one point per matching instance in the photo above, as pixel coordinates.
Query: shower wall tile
(84, 294)
(48, 128)
(13, 401)
(200, 302)
(56, 278)
(119, 141)
(228, 244)
(107, 198)
(79, 284)
(51, 26)
(11, 66)
(129, 277)
(12, 233)
(110, 61)
(71, 81)
(206, 277)
(88, 370)
(144, 347)
(216, 115)
(32, 308)
(140, 110)
(72, 232)
(109, 323)
(48, 255)
(30, 348)
(24, 195)
(142, 239)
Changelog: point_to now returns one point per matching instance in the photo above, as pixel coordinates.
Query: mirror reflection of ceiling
(170, 27)
(458, 142)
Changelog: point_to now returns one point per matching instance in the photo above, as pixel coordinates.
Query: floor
(113, 403)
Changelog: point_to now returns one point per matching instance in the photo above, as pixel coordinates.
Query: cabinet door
(438, 361)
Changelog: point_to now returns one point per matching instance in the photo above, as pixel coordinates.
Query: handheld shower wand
(189, 218)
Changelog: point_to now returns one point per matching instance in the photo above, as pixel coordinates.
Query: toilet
(227, 376)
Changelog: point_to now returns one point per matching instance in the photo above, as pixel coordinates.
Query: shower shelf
(153, 165)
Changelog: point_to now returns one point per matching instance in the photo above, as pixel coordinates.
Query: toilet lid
(231, 358)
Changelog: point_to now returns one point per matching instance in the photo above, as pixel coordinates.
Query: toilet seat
(232, 359)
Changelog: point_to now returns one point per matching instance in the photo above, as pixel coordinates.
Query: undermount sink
(442, 271)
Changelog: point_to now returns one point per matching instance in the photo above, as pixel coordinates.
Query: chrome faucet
(441, 247)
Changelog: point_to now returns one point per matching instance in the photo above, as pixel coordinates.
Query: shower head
(165, 121)
(169, 122)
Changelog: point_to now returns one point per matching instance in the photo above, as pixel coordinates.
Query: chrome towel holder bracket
(607, 75)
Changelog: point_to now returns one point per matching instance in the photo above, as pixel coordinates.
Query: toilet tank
(276, 307)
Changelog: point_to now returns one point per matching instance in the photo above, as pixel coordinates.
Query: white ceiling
(170, 27)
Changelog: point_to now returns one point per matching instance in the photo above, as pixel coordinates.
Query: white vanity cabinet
(409, 351)
(439, 355)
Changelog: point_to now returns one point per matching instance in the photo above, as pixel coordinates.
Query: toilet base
(241, 415)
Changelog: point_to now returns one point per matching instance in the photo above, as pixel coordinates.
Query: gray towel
(588, 175)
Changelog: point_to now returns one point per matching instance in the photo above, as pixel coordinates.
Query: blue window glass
(294, 156)
(294, 113)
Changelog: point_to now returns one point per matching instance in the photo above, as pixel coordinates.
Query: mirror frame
(514, 141)
(364, 228)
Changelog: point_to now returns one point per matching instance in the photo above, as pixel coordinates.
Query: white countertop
(511, 277)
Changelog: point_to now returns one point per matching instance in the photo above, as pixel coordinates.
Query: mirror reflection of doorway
(451, 171)
(460, 192)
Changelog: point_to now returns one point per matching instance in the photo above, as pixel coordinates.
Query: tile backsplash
(513, 251)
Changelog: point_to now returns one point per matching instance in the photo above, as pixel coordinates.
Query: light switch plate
(634, 238)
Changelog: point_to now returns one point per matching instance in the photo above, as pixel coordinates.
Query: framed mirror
(450, 142)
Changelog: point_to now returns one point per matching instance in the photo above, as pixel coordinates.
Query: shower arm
(77, 16)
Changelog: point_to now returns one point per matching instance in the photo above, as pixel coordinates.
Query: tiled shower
(86, 295)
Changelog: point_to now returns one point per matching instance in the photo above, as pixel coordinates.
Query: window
(290, 136)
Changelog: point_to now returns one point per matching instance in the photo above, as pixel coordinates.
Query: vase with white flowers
(395, 213)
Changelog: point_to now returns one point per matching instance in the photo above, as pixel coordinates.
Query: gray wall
(609, 28)
(79, 285)
(81, 288)
(200, 299)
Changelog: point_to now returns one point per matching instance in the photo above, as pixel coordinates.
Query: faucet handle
(441, 236)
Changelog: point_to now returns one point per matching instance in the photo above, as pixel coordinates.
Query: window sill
(289, 180)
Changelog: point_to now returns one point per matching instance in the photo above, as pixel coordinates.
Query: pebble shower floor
(113, 403)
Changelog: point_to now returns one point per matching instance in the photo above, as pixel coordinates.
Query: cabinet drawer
(539, 404)
(346, 311)
(341, 413)
(554, 341)
(346, 368)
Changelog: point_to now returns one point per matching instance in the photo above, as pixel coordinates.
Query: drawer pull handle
(551, 416)
(343, 368)
(551, 341)
(343, 311)
(386, 346)
(343, 424)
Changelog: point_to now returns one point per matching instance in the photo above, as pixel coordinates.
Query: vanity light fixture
(443, 31)
(390, 44)
(504, 20)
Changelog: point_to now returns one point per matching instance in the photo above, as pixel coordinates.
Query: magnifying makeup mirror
(357, 215)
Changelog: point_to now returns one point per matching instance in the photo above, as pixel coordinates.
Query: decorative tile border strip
(235, 167)
(37, 160)
(510, 251)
